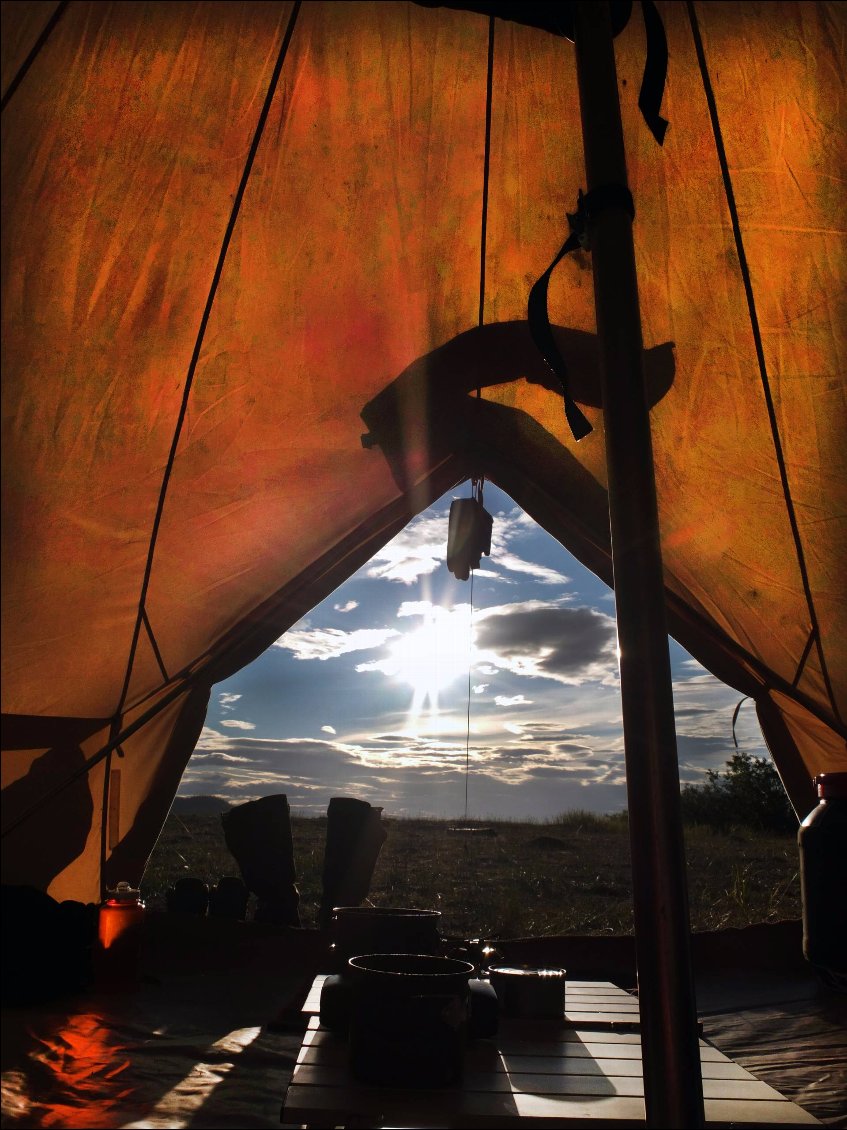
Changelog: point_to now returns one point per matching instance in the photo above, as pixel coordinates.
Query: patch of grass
(569, 875)
(579, 820)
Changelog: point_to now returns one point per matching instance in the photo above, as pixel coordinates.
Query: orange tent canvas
(237, 237)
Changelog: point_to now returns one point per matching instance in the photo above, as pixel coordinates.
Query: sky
(425, 695)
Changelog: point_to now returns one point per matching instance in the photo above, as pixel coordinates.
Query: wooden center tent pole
(672, 1078)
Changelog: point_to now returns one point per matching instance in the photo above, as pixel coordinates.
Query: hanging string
(483, 248)
(468, 732)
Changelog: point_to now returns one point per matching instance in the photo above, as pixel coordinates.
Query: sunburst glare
(432, 657)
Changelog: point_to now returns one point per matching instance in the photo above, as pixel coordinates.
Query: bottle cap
(831, 785)
(124, 892)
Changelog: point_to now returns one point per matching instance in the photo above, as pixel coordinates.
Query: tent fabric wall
(138, 356)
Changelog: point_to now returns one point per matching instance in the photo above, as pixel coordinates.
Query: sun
(433, 656)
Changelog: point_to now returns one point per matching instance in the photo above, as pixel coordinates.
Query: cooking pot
(377, 929)
(409, 1016)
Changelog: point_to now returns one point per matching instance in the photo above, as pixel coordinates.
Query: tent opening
(395, 683)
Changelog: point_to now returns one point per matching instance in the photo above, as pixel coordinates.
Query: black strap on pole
(655, 72)
(589, 204)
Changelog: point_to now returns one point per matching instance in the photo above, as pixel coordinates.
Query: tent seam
(757, 339)
(486, 170)
(195, 356)
(23, 70)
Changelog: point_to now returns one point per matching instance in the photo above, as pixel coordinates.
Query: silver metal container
(526, 991)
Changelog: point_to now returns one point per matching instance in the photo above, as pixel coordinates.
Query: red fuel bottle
(119, 934)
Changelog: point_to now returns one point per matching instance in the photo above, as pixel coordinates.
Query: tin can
(525, 991)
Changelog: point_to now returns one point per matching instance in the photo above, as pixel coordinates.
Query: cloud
(200, 757)
(520, 777)
(235, 724)
(329, 643)
(703, 709)
(514, 526)
(415, 608)
(415, 552)
(538, 640)
(512, 700)
(227, 701)
(478, 688)
(514, 728)
(418, 551)
(348, 606)
(541, 573)
(328, 730)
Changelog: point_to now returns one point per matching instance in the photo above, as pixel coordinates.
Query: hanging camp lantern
(468, 533)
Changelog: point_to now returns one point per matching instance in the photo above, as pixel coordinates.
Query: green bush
(749, 793)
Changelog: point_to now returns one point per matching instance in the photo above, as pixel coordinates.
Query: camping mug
(408, 1019)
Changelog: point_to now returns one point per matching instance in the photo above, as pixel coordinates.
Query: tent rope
(34, 53)
(757, 338)
(155, 646)
(735, 714)
(195, 356)
(803, 658)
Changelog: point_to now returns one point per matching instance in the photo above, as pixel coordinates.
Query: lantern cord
(470, 670)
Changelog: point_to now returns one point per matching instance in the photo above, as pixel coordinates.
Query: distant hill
(199, 805)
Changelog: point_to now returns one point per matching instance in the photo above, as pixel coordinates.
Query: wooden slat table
(585, 1070)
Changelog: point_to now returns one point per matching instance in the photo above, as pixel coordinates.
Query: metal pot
(376, 929)
(409, 1019)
